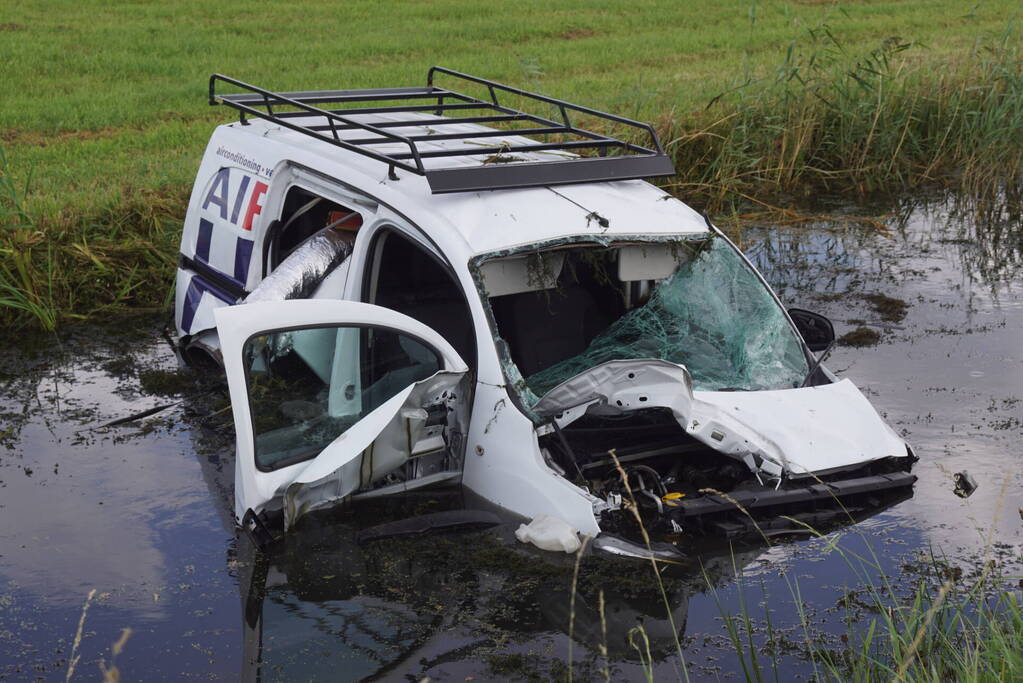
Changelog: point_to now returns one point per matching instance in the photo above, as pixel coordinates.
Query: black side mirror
(817, 331)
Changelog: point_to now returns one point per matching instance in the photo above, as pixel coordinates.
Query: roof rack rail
(616, 159)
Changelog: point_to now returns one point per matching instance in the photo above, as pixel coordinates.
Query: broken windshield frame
(562, 308)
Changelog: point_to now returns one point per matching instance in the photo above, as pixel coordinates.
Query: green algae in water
(861, 336)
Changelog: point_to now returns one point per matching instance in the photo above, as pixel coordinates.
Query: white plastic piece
(648, 262)
(794, 431)
(518, 274)
(549, 533)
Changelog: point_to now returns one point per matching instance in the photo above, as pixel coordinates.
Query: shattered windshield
(694, 302)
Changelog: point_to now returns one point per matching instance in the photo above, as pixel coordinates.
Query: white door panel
(327, 396)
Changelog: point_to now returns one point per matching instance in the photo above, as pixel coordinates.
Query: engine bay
(648, 470)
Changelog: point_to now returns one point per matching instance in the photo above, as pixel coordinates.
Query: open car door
(330, 398)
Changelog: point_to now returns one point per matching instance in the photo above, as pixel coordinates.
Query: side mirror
(817, 331)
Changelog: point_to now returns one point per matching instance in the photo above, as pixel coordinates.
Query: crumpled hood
(790, 431)
(812, 429)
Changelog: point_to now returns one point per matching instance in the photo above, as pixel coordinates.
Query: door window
(303, 215)
(409, 280)
(307, 386)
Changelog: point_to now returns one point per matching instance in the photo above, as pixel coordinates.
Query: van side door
(329, 397)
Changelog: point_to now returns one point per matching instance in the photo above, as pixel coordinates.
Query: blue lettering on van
(219, 195)
(218, 192)
(197, 286)
(202, 241)
(242, 257)
(239, 199)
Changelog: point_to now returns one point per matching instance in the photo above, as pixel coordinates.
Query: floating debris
(861, 336)
(965, 484)
(891, 309)
(549, 533)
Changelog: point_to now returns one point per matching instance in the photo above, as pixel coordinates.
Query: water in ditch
(129, 527)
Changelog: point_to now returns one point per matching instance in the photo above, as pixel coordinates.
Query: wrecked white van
(413, 287)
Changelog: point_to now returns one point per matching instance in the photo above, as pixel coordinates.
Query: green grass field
(104, 118)
(103, 100)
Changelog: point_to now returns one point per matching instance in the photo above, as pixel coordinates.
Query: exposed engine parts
(643, 462)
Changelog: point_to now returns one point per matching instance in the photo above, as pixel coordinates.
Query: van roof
(491, 220)
(433, 160)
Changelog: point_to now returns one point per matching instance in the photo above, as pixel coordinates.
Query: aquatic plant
(948, 626)
(18, 288)
(831, 120)
(74, 267)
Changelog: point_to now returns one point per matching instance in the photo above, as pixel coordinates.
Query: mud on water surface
(140, 511)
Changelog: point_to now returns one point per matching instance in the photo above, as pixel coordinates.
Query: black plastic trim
(752, 500)
(228, 284)
(534, 174)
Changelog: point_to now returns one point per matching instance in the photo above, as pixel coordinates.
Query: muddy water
(138, 515)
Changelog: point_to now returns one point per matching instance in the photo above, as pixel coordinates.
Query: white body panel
(461, 225)
(503, 464)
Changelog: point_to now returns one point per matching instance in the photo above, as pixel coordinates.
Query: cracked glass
(713, 315)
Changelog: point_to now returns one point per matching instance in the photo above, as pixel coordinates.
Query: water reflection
(323, 604)
(68, 484)
(948, 374)
(320, 602)
(986, 234)
(981, 239)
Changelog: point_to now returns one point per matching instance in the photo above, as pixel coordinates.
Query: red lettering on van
(254, 206)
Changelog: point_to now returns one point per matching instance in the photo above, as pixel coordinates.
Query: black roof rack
(498, 169)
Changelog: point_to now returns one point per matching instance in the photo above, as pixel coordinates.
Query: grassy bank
(939, 623)
(104, 116)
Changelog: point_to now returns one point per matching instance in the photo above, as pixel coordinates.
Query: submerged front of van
(664, 369)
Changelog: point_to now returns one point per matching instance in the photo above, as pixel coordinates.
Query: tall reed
(21, 291)
(829, 121)
(948, 626)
